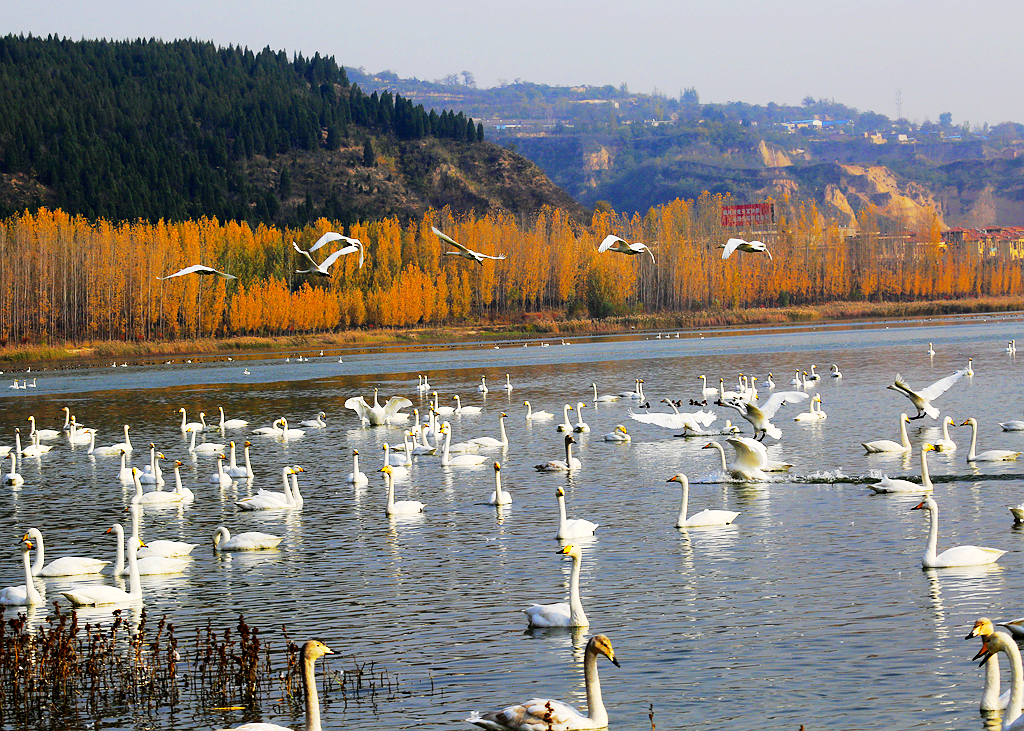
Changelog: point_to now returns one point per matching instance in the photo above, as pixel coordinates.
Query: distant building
(989, 241)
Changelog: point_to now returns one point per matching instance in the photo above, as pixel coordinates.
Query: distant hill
(150, 130)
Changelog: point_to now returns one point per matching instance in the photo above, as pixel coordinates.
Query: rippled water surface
(812, 609)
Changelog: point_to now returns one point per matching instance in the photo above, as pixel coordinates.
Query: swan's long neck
(221, 408)
(529, 406)
(248, 466)
(561, 512)
(312, 699)
(233, 465)
(177, 481)
(565, 413)
(288, 497)
(30, 587)
(119, 563)
(595, 390)
(223, 535)
(355, 464)
(595, 703)
(990, 691)
(568, 454)
(501, 428)
(974, 440)
(904, 439)
(725, 465)
(445, 456)
(497, 487)
(295, 489)
(577, 616)
(391, 493)
(36, 536)
(183, 419)
(933, 534)
(685, 500)
(1013, 708)
(926, 479)
(945, 430)
(134, 581)
(135, 510)
(127, 440)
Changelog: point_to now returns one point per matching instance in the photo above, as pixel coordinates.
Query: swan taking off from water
(562, 614)
(749, 463)
(704, 517)
(614, 243)
(956, 556)
(922, 399)
(542, 713)
(463, 251)
(760, 416)
(378, 414)
(751, 247)
(198, 269)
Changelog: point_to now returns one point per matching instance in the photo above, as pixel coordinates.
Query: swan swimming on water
(990, 455)
(499, 496)
(562, 614)
(569, 528)
(888, 484)
(887, 445)
(540, 713)
(23, 594)
(705, 517)
(951, 557)
(64, 566)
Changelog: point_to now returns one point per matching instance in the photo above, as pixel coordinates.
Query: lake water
(811, 609)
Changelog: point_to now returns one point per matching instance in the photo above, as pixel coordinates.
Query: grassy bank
(23, 356)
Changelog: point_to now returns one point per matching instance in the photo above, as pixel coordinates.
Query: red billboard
(748, 214)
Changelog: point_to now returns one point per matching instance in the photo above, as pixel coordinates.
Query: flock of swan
(430, 435)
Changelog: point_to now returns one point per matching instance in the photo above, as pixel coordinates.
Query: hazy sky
(938, 56)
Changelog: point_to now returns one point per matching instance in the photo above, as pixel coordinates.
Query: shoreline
(24, 358)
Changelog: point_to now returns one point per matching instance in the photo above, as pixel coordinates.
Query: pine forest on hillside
(64, 278)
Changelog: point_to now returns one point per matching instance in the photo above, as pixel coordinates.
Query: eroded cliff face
(877, 186)
(982, 207)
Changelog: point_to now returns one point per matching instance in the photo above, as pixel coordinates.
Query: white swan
(441, 410)
(356, 477)
(887, 445)
(172, 549)
(694, 421)
(64, 566)
(835, 372)
(274, 430)
(704, 517)
(760, 416)
(287, 433)
(153, 475)
(422, 386)
(581, 427)
(508, 384)
(402, 507)
(378, 414)
(562, 614)
(604, 399)
(207, 448)
(250, 541)
(614, 243)
(42, 433)
(236, 470)
(491, 441)
(187, 496)
(558, 465)
(96, 594)
(189, 425)
(317, 423)
(569, 528)
(268, 500)
(24, 594)
(148, 566)
(945, 444)
(125, 473)
(499, 496)
(931, 350)
(922, 399)
(35, 449)
(813, 415)
(114, 449)
(461, 460)
(1012, 425)
(460, 409)
(769, 383)
(14, 478)
(619, 435)
(482, 388)
(742, 245)
(399, 463)
(220, 477)
(705, 389)
(956, 556)
(230, 423)
(887, 484)
(749, 464)
(1002, 642)
(566, 425)
(540, 713)
(1011, 347)
(990, 455)
(79, 434)
(154, 498)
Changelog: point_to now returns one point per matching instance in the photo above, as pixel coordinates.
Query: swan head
(247, 444)
(559, 492)
(503, 415)
(904, 417)
(680, 477)
(313, 650)
(570, 549)
(386, 469)
(497, 466)
(926, 504)
(178, 463)
(928, 448)
(569, 439)
(26, 545)
(970, 421)
(600, 644)
(983, 627)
